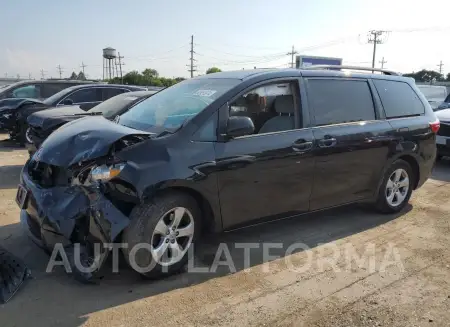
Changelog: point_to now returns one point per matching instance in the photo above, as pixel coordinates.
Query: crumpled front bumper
(7, 121)
(69, 215)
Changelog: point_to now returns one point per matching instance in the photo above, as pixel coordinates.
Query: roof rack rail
(384, 71)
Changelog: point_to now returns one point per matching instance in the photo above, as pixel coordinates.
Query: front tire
(162, 229)
(396, 188)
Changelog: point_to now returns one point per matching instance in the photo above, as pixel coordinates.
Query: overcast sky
(231, 34)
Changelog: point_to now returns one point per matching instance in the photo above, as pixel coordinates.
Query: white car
(443, 135)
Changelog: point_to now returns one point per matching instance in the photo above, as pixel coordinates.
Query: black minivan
(226, 150)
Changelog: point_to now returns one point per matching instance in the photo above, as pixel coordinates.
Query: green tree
(149, 73)
(81, 76)
(448, 77)
(425, 76)
(73, 76)
(213, 70)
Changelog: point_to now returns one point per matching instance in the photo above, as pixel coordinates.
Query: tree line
(150, 77)
(428, 76)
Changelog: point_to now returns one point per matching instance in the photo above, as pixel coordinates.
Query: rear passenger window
(398, 99)
(340, 101)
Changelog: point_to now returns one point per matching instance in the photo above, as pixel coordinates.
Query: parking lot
(331, 292)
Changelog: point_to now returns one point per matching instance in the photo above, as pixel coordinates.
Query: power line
(374, 37)
(60, 70)
(292, 53)
(192, 70)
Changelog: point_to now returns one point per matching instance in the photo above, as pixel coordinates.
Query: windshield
(115, 105)
(173, 106)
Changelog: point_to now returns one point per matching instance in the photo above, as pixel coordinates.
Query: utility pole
(192, 67)
(6, 75)
(120, 67)
(374, 37)
(82, 67)
(382, 62)
(292, 53)
(29, 76)
(42, 74)
(440, 67)
(60, 71)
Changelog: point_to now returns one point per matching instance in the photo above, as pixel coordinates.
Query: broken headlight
(106, 172)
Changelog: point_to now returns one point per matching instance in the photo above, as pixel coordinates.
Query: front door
(267, 174)
(352, 145)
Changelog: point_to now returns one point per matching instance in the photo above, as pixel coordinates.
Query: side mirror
(68, 102)
(240, 126)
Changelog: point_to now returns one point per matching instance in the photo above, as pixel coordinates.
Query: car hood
(14, 103)
(443, 115)
(82, 140)
(47, 119)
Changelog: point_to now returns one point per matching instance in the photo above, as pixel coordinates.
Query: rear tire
(163, 228)
(396, 188)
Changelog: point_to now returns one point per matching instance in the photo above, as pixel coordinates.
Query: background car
(40, 89)
(14, 113)
(43, 123)
(434, 94)
(445, 104)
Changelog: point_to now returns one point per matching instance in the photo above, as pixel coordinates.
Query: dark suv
(36, 89)
(14, 112)
(226, 150)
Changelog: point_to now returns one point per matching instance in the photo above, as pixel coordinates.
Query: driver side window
(271, 107)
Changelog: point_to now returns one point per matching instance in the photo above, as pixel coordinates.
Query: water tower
(109, 63)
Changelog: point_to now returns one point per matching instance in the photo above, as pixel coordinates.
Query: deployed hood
(443, 115)
(84, 139)
(49, 118)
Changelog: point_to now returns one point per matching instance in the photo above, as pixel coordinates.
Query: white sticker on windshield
(204, 93)
(130, 98)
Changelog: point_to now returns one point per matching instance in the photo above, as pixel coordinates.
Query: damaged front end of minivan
(72, 195)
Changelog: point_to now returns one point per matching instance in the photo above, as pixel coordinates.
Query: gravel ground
(405, 281)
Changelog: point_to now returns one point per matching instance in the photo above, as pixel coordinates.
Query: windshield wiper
(95, 113)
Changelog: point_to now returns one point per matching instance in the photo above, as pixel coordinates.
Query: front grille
(47, 175)
(444, 130)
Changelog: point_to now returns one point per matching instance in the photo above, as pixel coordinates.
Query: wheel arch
(211, 218)
(412, 161)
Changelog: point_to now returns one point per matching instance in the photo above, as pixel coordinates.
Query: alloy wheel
(172, 236)
(397, 187)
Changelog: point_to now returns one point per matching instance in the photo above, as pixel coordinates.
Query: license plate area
(21, 196)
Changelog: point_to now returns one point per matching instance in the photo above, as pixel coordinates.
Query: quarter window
(271, 107)
(398, 99)
(340, 101)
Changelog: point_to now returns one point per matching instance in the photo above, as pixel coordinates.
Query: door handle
(302, 146)
(327, 142)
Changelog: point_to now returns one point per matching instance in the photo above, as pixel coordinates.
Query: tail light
(435, 126)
